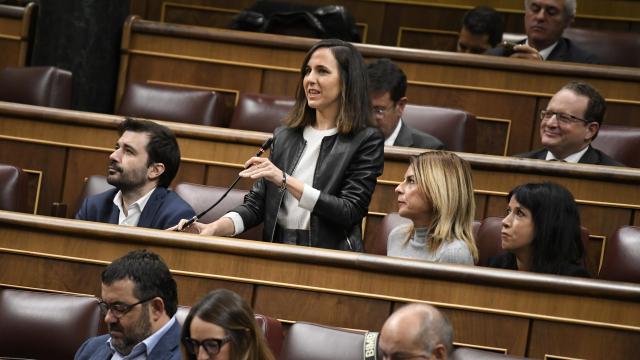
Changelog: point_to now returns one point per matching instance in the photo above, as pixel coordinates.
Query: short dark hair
(162, 148)
(385, 76)
(355, 111)
(150, 275)
(557, 234)
(229, 311)
(483, 20)
(596, 107)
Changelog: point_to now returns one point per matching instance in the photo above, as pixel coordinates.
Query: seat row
(619, 262)
(49, 86)
(62, 322)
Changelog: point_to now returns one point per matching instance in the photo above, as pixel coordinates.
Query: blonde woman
(437, 196)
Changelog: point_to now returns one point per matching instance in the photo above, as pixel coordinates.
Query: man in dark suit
(569, 124)
(139, 299)
(387, 87)
(142, 166)
(545, 21)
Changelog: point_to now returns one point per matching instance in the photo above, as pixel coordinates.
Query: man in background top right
(544, 22)
(569, 124)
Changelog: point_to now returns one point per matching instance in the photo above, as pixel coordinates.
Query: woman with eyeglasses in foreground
(222, 326)
(541, 232)
(437, 196)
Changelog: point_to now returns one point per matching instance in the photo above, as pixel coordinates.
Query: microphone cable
(263, 148)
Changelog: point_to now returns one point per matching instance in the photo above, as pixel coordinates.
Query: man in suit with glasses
(387, 87)
(569, 124)
(139, 300)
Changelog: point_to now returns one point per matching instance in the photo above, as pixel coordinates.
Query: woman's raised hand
(256, 168)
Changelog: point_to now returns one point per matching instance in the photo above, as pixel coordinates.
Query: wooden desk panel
(15, 26)
(548, 339)
(504, 94)
(489, 307)
(323, 308)
(392, 22)
(47, 159)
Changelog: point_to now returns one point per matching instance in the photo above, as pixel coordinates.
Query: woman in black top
(316, 186)
(541, 232)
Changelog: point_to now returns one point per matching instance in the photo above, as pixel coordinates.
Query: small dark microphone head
(264, 147)
(267, 144)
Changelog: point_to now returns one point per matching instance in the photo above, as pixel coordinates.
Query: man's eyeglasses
(379, 110)
(119, 310)
(563, 118)
(211, 346)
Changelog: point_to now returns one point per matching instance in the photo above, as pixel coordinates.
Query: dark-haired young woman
(316, 186)
(541, 232)
(222, 326)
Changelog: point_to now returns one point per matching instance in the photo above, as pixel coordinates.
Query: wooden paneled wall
(508, 311)
(15, 30)
(505, 94)
(424, 24)
(67, 146)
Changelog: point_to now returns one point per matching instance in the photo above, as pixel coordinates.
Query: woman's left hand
(257, 168)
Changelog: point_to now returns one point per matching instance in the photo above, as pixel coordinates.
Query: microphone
(266, 145)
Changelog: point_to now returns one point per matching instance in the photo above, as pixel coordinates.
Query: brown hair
(229, 311)
(355, 105)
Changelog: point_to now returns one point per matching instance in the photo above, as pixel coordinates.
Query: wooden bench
(506, 95)
(418, 23)
(66, 146)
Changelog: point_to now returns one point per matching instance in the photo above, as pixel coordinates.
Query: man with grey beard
(139, 300)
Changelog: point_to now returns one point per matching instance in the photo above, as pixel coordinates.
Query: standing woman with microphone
(316, 186)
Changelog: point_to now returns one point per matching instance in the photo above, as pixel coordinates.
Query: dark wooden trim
(358, 261)
(377, 51)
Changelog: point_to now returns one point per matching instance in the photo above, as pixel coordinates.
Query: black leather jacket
(346, 173)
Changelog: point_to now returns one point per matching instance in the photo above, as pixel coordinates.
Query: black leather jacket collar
(346, 173)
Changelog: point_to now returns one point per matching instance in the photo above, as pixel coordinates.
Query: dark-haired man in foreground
(145, 161)
(569, 124)
(139, 299)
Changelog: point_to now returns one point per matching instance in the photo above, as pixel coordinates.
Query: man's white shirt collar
(573, 158)
(149, 343)
(133, 211)
(546, 51)
(394, 135)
